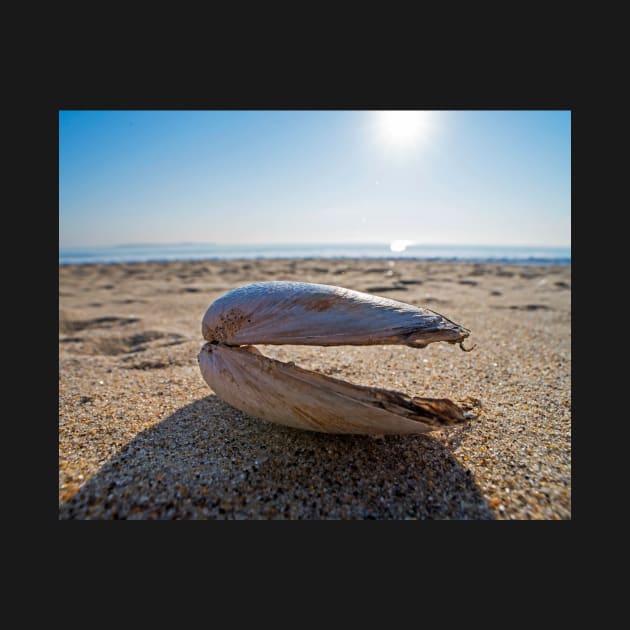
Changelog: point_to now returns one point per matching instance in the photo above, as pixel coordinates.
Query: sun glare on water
(400, 246)
(404, 128)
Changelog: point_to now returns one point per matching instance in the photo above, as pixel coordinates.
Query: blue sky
(444, 177)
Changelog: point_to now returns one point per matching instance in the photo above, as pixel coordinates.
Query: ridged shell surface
(303, 313)
(286, 394)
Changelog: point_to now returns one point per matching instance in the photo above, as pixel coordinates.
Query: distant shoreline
(486, 261)
(521, 255)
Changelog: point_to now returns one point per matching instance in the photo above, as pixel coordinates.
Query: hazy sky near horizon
(443, 177)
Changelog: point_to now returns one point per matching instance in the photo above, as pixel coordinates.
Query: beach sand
(142, 436)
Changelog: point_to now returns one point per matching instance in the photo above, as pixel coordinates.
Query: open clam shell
(315, 314)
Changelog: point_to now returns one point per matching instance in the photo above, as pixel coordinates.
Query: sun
(404, 128)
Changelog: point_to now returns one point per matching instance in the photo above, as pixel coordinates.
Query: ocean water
(209, 251)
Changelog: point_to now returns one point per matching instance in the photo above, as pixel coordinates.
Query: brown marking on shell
(435, 411)
(227, 374)
(229, 324)
(318, 425)
(207, 332)
(319, 303)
